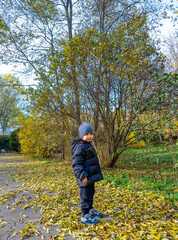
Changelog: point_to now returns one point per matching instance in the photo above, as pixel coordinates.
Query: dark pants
(86, 195)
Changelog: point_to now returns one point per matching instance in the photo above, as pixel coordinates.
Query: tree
(117, 76)
(3, 30)
(14, 141)
(172, 51)
(35, 29)
(9, 97)
(165, 103)
(105, 74)
(33, 36)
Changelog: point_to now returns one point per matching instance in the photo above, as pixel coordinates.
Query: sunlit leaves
(29, 230)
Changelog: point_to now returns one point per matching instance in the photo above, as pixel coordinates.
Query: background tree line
(94, 61)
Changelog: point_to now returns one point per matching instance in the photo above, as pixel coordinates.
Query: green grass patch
(153, 170)
(163, 158)
(48, 160)
(119, 180)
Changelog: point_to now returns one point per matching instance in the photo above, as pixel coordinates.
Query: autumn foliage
(40, 136)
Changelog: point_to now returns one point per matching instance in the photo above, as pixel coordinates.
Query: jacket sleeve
(78, 164)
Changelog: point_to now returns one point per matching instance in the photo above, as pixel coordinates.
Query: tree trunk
(113, 160)
(69, 14)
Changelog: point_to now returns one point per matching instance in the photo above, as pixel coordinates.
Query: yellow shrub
(40, 136)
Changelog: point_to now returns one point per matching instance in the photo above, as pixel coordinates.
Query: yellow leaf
(15, 233)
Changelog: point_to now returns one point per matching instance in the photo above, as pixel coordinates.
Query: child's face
(88, 137)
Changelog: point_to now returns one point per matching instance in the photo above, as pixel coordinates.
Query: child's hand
(84, 180)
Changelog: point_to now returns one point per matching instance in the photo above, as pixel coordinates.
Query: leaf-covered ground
(134, 213)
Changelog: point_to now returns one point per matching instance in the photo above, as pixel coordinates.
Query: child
(87, 171)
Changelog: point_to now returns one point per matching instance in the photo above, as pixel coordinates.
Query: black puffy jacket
(85, 162)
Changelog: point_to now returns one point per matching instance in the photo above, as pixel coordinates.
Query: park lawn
(136, 210)
(152, 169)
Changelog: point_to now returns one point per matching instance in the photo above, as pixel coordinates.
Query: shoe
(95, 214)
(88, 219)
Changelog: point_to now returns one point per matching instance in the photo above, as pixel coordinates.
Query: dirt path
(13, 217)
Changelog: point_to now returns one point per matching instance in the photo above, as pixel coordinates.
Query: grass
(154, 155)
(152, 169)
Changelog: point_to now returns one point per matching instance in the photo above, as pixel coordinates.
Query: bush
(14, 141)
(4, 142)
(42, 137)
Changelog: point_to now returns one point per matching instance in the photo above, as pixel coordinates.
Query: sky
(167, 28)
(168, 25)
